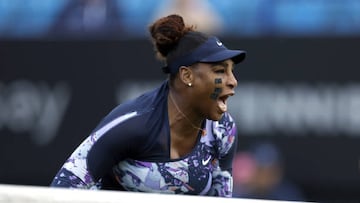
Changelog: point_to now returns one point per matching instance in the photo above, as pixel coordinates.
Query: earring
(189, 84)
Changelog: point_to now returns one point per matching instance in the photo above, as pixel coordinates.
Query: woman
(177, 138)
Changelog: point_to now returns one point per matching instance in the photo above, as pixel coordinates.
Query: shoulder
(142, 106)
(224, 132)
(225, 127)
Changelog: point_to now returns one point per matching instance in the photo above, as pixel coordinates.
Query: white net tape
(39, 194)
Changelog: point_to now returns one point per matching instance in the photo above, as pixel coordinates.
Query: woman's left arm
(226, 135)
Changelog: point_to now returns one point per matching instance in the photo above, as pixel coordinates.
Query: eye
(220, 71)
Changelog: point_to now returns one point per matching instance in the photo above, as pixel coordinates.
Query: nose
(231, 81)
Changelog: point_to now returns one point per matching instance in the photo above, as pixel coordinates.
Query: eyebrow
(221, 63)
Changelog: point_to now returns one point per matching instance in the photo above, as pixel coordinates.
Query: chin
(216, 117)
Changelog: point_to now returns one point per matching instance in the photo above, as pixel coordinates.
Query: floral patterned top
(130, 150)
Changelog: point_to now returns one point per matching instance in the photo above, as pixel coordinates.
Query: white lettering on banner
(297, 109)
(290, 109)
(33, 108)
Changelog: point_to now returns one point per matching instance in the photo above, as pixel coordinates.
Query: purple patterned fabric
(139, 166)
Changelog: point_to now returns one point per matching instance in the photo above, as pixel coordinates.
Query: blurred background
(64, 64)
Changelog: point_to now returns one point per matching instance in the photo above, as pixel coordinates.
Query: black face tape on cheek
(217, 90)
(218, 81)
(214, 96)
(216, 93)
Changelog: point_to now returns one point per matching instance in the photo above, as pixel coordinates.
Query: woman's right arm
(75, 171)
(95, 157)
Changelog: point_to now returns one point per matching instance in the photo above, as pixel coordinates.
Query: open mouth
(222, 103)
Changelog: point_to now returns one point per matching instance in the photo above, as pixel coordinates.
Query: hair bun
(166, 33)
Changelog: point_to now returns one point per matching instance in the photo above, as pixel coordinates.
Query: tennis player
(177, 138)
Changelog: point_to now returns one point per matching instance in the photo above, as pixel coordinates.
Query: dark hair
(173, 39)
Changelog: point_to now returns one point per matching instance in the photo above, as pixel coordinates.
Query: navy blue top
(130, 150)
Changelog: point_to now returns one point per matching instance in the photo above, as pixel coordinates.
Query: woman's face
(213, 83)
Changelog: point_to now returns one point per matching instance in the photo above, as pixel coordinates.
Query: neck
(181, 119)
